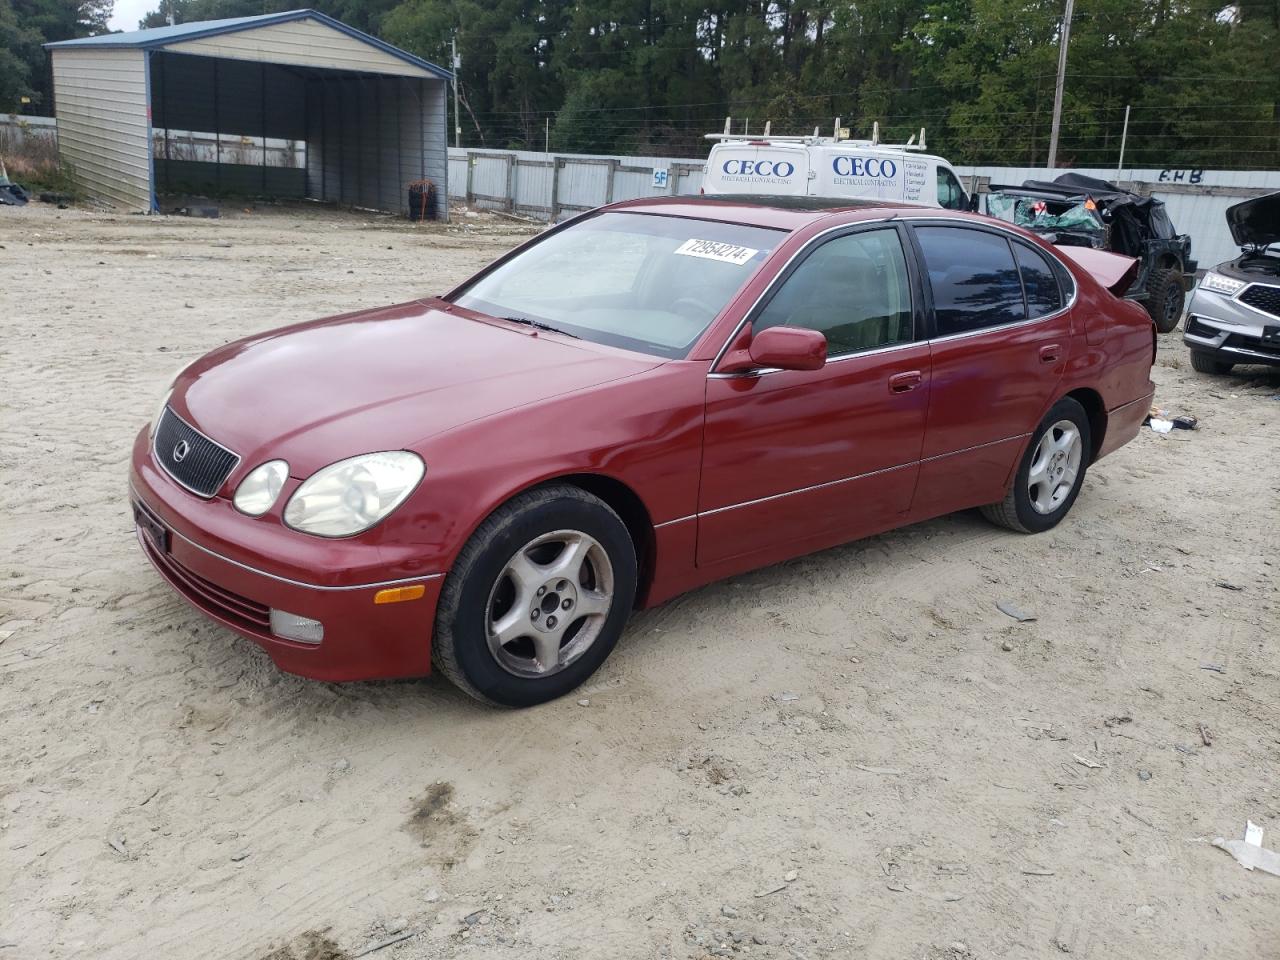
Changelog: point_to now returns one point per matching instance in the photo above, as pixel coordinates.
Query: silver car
(1234, 313)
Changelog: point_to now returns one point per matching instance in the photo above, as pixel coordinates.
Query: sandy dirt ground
(855, 754)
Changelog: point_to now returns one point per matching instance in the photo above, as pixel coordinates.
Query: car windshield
(643, 282)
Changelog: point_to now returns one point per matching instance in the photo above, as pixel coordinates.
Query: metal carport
(371, 116)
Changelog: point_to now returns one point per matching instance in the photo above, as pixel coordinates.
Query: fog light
(293, 627)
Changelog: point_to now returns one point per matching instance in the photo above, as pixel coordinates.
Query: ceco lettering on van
(875, 167)
(759, 168)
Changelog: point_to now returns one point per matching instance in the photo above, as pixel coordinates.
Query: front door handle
(1050, 353)
(902, 382)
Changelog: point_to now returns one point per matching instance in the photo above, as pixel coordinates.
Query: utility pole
(1063, 38)
(455, 63)
(1124, 136)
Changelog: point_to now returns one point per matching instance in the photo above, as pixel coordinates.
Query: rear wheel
(1202, 362)
(1166, 299)
(1050, 474)
(536, 599)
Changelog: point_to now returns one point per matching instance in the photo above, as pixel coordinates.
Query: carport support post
(262, 91)
(217, 135)
(555, 188)
(511, 182)
(610, 173)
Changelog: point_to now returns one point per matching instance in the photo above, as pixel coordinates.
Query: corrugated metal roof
(159, 37)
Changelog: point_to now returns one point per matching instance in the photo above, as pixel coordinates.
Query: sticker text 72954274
(713, 250)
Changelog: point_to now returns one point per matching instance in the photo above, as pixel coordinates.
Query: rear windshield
(643, 282)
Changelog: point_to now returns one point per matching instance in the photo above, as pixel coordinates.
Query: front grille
(1262, 297)
(1252, 343)
(191, 458)
(213, 599)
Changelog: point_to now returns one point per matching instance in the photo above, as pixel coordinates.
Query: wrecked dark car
(1234, 315)
(1075, 210)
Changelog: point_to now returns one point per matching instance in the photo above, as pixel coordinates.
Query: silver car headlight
(1220, 284)
(352, 495)
(259, 489)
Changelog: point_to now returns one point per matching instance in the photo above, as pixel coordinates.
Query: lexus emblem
(180, 451)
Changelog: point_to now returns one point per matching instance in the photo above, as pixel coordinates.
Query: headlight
(1220, 284)
(352, 495)
(258, 491)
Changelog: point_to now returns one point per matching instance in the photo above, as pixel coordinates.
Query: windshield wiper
(539, 325)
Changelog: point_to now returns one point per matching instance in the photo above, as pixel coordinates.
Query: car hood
(382, 379)
(1256, 222)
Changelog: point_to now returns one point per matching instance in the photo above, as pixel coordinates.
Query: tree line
(652, 76)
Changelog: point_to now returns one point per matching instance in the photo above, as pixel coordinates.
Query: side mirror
(789, 348)
(972, 204)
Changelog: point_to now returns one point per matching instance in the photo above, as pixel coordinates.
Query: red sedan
(650, 397)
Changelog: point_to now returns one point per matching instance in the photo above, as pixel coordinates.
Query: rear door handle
(902, 382)
(1050, 353)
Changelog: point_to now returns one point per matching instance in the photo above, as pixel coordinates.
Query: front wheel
(1202, 362)
(1050, 474)
(1166, 300)
(536, 599)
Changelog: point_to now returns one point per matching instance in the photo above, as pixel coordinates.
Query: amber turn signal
(398, 594)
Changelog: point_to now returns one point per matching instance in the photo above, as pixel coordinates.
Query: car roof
(763, 210)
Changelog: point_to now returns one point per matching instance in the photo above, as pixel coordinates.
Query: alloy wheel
(1055, 466)
(549, 604)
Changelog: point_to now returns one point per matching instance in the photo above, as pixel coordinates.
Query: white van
(831, 167)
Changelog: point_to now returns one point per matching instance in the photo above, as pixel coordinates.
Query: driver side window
(950, 193)
(854, 289)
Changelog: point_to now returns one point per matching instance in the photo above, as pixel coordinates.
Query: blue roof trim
(160, 37)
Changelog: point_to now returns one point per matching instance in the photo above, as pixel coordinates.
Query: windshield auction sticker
(711, 250)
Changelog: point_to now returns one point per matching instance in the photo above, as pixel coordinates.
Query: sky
(127, 13)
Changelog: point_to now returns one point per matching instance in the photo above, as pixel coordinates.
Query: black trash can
(422, 200)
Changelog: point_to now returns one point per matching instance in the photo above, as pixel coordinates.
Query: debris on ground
(374, 947)
(1086, 762)
(1009, 609)
(1161, 421)
(886, 771)
(1206, 735)
(1249, 852)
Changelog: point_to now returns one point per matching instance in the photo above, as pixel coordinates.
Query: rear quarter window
(1039, 281)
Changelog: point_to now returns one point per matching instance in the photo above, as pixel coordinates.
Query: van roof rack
(838, 136)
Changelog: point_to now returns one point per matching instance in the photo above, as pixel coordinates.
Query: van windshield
(639, 281)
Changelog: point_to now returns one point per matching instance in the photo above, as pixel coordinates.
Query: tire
(521, 569)
(1026, 512)
(1166, 299)
(1202, 362)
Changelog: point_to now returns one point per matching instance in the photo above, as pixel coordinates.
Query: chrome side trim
(669, 523)
(276, 577)
(765, 371)
(976, 446)
(999, 328)
(816, 486)
(860, 476)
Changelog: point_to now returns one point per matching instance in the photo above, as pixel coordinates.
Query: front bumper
(362, 640)
(1228, 330)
